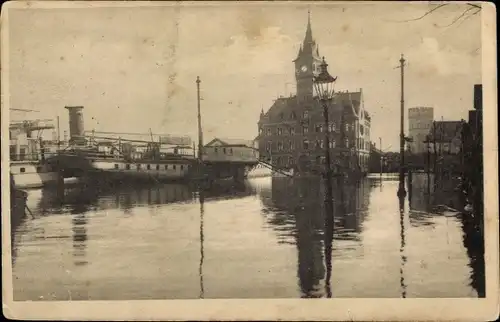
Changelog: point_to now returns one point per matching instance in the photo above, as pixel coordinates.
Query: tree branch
(471, 5)
(474, 5)
(472, 14)
(427, 13)
(458, 18)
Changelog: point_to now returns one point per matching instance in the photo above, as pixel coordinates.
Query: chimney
(76, 128)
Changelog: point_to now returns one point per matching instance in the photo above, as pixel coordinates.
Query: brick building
(292, 131)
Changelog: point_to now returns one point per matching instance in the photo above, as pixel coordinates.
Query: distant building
(230, 150)
(292, 131)
(445, 137)
(419, 121)
(475, 115)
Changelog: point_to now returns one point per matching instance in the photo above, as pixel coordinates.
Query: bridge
(228, 158)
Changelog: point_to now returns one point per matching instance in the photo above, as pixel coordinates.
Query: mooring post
(60, 185)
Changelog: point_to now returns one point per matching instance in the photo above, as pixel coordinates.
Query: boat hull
(35, 180)
(32, 175)
(121, 171)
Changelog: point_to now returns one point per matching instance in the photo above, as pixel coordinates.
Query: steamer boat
(122, 161)
(107, 156)
(28, 154)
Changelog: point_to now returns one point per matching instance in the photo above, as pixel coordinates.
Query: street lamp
(324, 86)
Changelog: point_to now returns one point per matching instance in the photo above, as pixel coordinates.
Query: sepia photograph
(179, 160)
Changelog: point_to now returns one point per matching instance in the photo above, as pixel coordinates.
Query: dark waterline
(264, 239)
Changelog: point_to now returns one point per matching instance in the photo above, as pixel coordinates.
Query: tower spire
(308, 39)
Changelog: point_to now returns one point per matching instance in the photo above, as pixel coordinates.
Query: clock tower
(306, 65)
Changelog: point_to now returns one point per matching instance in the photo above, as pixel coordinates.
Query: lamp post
(324, 86)
(401, 189)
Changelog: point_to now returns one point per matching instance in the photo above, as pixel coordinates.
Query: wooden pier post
(60, 185)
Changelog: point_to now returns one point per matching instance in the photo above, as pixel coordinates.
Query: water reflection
(294, 208)
(432, 198)
(82, 199)
(211, 243)
(202, 238)
(403, 243)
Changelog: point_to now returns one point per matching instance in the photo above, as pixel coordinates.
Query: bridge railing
(273, 168)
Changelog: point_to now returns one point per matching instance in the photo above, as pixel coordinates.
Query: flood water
(263, 239)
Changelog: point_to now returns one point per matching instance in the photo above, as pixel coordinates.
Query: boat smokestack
(76, 129)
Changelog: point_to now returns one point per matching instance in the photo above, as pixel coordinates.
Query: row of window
(419, 125)
(38, 169)
(319, 128)
(149, 167)
(224, 150)
(362, 144)
(306, 145)
(290, 161)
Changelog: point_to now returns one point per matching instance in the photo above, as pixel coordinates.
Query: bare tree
(471, 10)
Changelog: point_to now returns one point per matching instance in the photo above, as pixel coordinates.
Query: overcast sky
(135, 68)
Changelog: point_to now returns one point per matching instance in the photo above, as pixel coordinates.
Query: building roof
(231, 142)
(284, 104)
(445, 131)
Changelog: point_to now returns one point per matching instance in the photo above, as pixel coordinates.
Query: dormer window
(268, 131)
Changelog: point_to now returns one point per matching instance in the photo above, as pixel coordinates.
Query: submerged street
(263, 239)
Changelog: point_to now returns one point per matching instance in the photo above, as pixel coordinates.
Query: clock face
(304, 68)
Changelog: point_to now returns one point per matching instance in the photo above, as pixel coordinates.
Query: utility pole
(58, 135)
(381, 156)
(200, 133)
(401, 189)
